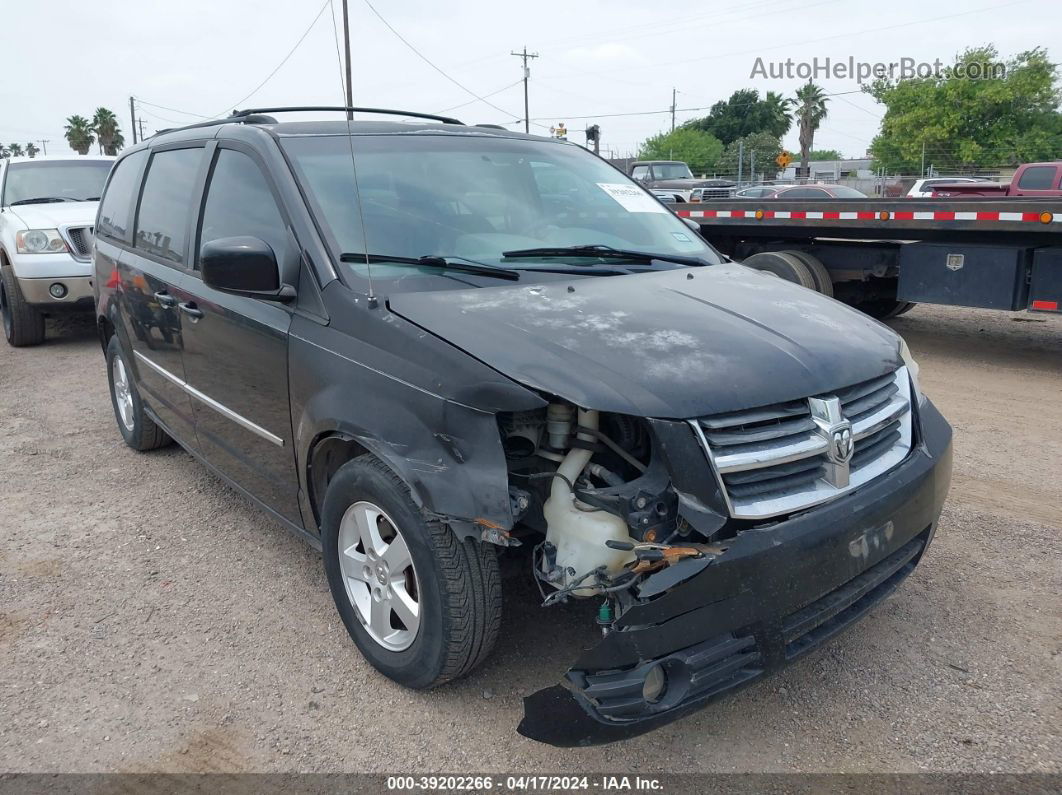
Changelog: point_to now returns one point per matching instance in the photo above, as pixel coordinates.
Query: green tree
(810, 111)
(745, 113)
(757, 151)
(79, 135)
(15, 150)
(696, 147)
(32, 149)
(824, 154)
(3, 151)
(960, 122)
(105, 126)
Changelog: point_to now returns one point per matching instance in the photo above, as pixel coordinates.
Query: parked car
(816, 192)
(757, 192)
(487, 343)
(47, 207)
(923, 188)
(676, 177)
(1031, 179)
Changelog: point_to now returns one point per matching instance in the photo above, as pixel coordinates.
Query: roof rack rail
(238, 114)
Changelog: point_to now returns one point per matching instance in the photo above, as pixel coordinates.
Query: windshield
(841, 192)
(475, 197)
(51, 180)
(672, 171)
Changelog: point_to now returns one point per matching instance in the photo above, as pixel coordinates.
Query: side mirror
(244, 266)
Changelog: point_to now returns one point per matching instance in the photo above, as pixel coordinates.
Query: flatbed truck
(883, 255)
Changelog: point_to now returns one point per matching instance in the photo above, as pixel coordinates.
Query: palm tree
(15, 150)
(811, 110)
(3, 151)
(105, 125)
(32, 149)
(778, 111)
(79, 134)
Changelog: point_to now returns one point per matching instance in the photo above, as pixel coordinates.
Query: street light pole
(132, 119)
(525, 55)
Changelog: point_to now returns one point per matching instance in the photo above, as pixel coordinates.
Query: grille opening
(775, 460)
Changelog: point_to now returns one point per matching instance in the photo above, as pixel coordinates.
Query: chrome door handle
(190, 309)
(165, 299)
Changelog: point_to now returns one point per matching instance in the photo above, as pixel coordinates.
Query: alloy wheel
(379, 576)
(123, 395)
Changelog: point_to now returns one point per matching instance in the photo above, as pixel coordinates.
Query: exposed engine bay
(588, 488)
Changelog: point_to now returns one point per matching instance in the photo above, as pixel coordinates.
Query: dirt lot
(150, 619)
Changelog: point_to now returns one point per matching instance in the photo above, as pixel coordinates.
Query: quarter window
(162, 222)
(116, 209)
(239, 203)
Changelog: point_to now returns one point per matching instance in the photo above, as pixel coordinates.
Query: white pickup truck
(47, 211)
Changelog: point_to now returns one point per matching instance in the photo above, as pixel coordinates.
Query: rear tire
(23, 324)
(821, 276)
(138, 429)
(783, 265)
(454, 583)
(883, 308)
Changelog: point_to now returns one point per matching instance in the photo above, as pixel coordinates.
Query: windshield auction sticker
(634, 200)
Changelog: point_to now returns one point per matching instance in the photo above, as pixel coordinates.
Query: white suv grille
(785, 457)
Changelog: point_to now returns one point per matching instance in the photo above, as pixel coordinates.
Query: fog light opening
(655, 685)
(58, 290)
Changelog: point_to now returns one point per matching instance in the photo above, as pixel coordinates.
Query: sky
(613, 62)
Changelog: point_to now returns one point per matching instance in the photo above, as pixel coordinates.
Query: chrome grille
(777, 459)
(79, 238)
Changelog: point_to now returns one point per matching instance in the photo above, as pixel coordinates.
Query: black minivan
(423, 345)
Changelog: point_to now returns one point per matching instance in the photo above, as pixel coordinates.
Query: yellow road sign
(783, 160)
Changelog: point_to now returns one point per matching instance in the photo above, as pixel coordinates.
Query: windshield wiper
(602, 251)
(435, 262)
(42, 200)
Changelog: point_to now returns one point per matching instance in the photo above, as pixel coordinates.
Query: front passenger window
(239, 203)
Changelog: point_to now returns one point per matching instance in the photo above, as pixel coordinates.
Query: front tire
(23, 324)
(138, 429)
(422, 606)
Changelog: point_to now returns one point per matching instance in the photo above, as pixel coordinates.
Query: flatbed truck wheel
(783, 265)
(823, 282)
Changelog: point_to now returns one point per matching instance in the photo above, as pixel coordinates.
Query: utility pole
(139, 121)
(922, 173)
(673, 110)
(741, 158)
(346, 51)
(132, 119)
(752, 166)
(525, 55)
(44, 145)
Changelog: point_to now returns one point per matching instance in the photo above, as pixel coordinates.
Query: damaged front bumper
(776, 593)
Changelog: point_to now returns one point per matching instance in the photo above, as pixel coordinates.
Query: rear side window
(116, 209)
(239, 202)
(804, 193)
(162, 222)
(1038, 178)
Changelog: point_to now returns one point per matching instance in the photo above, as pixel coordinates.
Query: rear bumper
(78, 292)
(774, 595)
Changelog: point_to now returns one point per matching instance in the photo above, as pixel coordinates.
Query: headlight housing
(40, 241)
(912, 368)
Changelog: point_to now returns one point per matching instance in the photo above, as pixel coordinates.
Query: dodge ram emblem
(841, 446)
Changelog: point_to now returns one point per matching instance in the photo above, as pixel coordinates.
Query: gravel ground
(152, 620)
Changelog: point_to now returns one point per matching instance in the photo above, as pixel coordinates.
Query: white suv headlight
(40, 241)
(912, 368)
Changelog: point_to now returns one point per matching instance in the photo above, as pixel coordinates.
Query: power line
(472, 101)
(291, 52)
(426, 60)
(172, 110)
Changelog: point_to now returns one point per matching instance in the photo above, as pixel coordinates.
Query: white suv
(47, 211)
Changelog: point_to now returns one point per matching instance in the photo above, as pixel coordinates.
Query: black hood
(662, 344)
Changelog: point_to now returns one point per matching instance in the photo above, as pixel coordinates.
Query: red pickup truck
(1031, 179)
